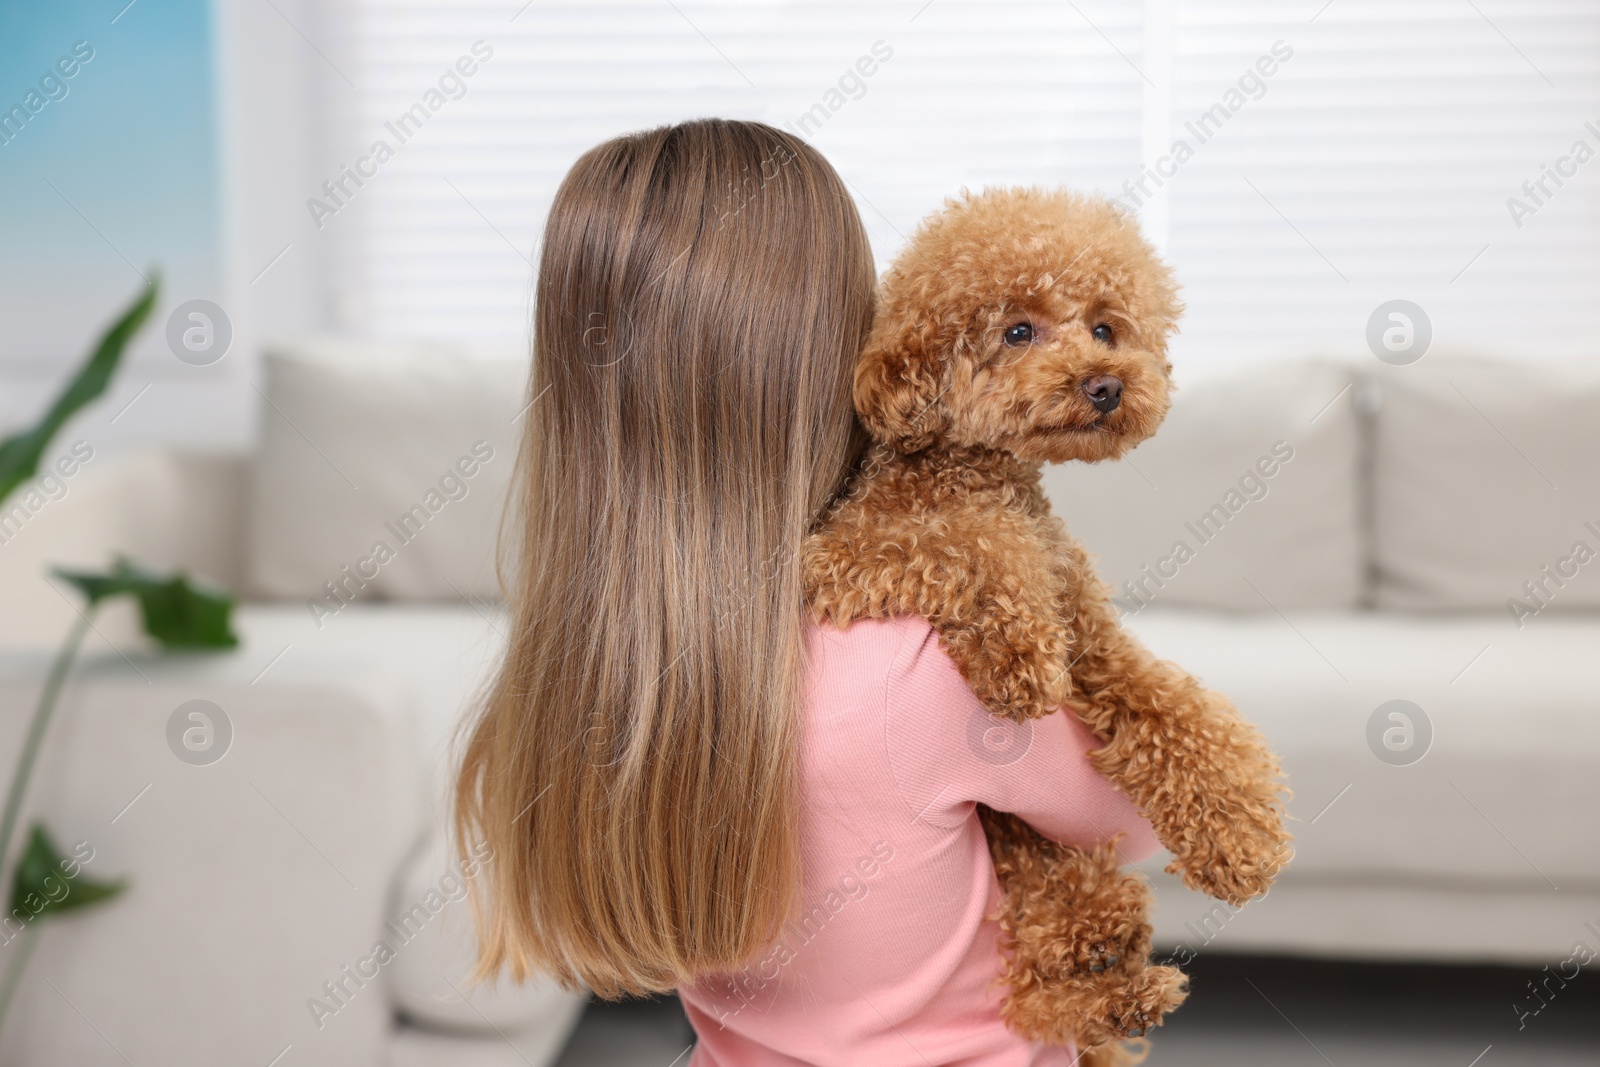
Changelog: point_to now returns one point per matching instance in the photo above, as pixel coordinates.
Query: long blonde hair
(703, 293)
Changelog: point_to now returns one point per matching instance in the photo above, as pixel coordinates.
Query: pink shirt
(892, 960)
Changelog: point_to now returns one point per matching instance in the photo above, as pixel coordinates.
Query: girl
(685, 784)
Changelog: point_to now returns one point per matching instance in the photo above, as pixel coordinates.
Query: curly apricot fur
(945, 519)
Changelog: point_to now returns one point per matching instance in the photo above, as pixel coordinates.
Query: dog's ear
(899, 385)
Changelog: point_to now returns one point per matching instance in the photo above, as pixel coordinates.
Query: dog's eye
(1102, 333)
(1020, 334)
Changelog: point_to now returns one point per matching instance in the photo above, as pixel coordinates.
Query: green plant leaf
(21, 452)
(46, 882)
(178, 611)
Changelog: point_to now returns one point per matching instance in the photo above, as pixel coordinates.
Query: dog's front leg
(1204, 777)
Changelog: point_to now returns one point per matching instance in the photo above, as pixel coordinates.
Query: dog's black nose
(1104, 392)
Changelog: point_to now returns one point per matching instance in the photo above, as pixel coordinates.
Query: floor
(1253, 1012)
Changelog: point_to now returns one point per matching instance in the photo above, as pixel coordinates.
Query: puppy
(1022, 327)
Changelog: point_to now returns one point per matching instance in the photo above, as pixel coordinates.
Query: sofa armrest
(164, 508)
(255, 882)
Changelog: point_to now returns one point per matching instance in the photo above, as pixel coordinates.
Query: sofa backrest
(1455, 483)
(383, 469)
(1255, 472)
(1486, 486)
(1248, 497)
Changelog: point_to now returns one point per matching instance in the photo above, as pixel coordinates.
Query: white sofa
(1374, 562)
(261, 878)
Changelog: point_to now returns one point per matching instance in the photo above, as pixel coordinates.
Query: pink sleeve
(948, 754)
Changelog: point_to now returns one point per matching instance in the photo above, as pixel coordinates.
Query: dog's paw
(1131, 1005)
(1238, 860)
(1093, 957)
(1093, 1009)
(1229, 843)
(1066, 959)
(1102, 955)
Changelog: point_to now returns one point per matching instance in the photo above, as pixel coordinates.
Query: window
(960, 93)
(1338, 155)
(1377, 164)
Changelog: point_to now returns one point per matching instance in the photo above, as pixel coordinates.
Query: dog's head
(1026, 320)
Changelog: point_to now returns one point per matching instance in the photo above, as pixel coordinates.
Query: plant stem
(17, 964)
(41, 719)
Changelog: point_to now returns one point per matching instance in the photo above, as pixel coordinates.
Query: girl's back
(891, 958)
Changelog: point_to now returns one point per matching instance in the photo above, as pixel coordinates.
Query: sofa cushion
(1486, 489)
(1503, 795)
(382, 471)
(1246, 498)
(430, 982)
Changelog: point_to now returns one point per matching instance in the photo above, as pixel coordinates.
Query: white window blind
(1374, 162)
(1376, 165)
(971, 94)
